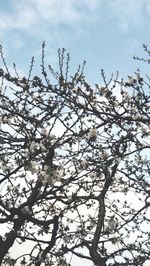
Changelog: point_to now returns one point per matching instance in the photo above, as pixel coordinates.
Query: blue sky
(106, 33)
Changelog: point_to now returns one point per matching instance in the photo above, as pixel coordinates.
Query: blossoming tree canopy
(74, 176)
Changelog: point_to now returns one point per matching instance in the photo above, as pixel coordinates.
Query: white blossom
(126, 96)
(132, 80)
(53, 139)
(115, 103)
(33, 167)
(125, 190)
(51, 174)
(60, 141)
(47, 167)
(42, 146)
(92, 134)
(37, 97)
(34, 145)
(75, 90)
(139, 117)
(3, 166)
(26, 210)
(111, 225)
(84, 163)
(5, 120)
(26, 93)
(115, 238)
(144, 129)
(66, 146)
(42, 173)
(117, 160)
(26, 153)
(52, 136)
(9, 121)
(104, 154)
(70, 197)
(133, 109)
(44, 132)
(5, 104)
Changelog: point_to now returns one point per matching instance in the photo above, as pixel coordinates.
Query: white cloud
(61, 21)
(128, 13)
(5, 23)
(26, 23)
(33, 16)
(67, 10)
(25, 14)
(58, 22)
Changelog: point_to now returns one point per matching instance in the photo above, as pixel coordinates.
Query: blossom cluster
(92, 135)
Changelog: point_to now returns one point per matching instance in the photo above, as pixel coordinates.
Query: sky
(105, 33)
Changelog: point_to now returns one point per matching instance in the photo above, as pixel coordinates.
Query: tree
(74, 176)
